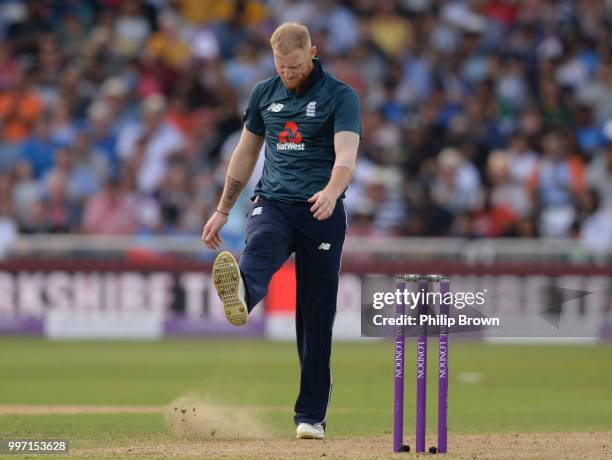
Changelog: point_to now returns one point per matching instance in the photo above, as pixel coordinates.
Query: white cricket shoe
(230, 287)
(308, 431)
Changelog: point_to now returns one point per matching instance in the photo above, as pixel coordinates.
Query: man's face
(294, 67)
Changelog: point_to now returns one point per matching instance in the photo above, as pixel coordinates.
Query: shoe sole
(226, 277)
(308, 436)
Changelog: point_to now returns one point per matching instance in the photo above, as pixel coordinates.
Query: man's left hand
(324, 204)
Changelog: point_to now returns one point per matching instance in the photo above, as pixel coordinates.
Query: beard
(294, 84)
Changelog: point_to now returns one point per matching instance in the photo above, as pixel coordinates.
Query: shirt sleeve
(251, 117)
(347, 115)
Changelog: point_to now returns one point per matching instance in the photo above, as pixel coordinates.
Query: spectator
(174, 195)
(149, 143)
(9, 66)
(599, 174)
(61, 213)
(8, 228)
(589, 135)
(26, 192)
(504, 191)
(61, 125)
(456, 186)
(340, 23)
(131, 29)
(111, 211)
(83, 91)
(247, 68)
(114, 100)
(428, 217)
(90, 168)
(557, 185)
(390, 31)
(384, 193)
(362, 223)
(39, 148)
(100, 135)
(597, 93)
(168, 45)
(522, 160)
(20, 108)
(596, 230)
(492, 220)
(79, 179)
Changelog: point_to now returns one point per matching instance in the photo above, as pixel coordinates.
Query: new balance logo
(256, 211)
(275, 107)
(310, 109)
(324, 246)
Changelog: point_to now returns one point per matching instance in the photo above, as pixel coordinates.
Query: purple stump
(443, 371)
(421, 369)
(398, 372)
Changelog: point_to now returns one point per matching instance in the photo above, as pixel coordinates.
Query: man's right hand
(210, 235)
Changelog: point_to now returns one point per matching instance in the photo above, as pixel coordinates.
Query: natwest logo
(290, 137)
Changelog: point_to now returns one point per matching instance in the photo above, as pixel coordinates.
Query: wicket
(421, 368)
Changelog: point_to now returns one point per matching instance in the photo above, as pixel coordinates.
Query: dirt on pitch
(199, 429)
(495, 446)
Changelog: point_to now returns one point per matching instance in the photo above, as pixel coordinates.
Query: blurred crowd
(481, 118)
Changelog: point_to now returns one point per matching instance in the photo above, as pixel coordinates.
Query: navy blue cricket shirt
(299, 132)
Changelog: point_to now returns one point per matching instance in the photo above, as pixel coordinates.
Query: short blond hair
(290, 36)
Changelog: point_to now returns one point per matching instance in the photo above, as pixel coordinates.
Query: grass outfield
(492, 389)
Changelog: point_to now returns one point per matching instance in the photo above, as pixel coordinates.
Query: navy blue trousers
(275, 230)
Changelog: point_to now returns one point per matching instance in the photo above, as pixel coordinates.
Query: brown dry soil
(494, 446)
(252, 442)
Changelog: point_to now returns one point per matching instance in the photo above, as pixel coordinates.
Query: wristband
(221, 212)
